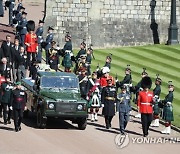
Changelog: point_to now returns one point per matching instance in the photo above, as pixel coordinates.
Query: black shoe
(107, 126)
(16, 129)
(5, 123)
(9, 122)
(19, 128)
(145, 135)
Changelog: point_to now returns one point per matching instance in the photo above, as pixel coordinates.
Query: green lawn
(157, 59)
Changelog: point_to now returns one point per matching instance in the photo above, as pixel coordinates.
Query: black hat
(30, 25)
(144, 72)
(109, 57)
(123, 87)
(24, 13)
(170, 84)
(128, 68)
(50, 28)
(146, 82)
(68, 35)
(83, 44)
(21, 7)
(40, 21)
(158, 78)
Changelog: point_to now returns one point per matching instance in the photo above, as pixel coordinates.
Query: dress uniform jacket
(22, 26)
(108, 98)
(127, 80)
(32, 40)
(168, 109)
(6, 89)
(145, 101)
(18, 99)
(81, 52)
(103, 82)
(124, 102)
(39, 33)
(156, 92)
(49, 39)
(83, 83)
(67, 46)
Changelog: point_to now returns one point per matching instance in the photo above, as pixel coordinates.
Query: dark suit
(7, 50)
(5, 70)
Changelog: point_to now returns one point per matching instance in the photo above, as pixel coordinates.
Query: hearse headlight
(80, 107)
(51, 106)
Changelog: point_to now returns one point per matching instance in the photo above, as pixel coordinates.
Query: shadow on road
(6, 128)
(51, 123)
(95, 124)
(107, 130)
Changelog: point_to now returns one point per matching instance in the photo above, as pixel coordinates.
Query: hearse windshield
(59, 82)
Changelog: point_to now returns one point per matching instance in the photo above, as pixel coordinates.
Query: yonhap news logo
(123, 141)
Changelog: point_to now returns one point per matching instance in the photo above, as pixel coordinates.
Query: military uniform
(53, 58)
(18, 100)
(81, 52)
(11, 8)
(22, 30)
(108, 99)
(6, 89)
(49, 39)
(83, 82)
(124, 107)
(39, 33)
(1, 9)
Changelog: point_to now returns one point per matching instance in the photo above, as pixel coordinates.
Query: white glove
(102, 105)
(10, 108)
(25, 108)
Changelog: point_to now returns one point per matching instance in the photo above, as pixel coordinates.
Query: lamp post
(173, 29)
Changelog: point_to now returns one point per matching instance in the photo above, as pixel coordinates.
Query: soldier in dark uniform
(108, 61)
(168, 109)
(139, 88)
(18, 101)
(20, 5)
(19, 14)
(6, 89)
(22, 28)
(49, 39)
(108, 99)
(89, 59)
(39, 33)
(82, 51)
(11, 8)
(156, 109)
(126, 81)
(53, 56)
(83, 83)
(81, 64)
(123, 107)
(67, 53)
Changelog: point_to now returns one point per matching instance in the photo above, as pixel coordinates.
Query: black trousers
(29, 59)
(146, 121)
(108, 120)
(18, 115)
(6, 112)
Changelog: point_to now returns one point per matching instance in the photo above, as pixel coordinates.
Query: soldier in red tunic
(31, 42)
(145, 102)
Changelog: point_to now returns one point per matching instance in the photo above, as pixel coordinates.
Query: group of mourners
(22, 58)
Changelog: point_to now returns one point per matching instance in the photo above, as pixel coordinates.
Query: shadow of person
(6, 128)
(153, 130)
(107, 130)
(154, 28)
(95, 124)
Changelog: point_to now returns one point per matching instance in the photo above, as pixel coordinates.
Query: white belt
(146, 103)
(40, 36)
(24, 27)
(169, 103)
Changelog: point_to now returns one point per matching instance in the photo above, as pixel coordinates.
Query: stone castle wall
(108, 23)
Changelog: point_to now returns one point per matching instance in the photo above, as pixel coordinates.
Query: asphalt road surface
(62, 137)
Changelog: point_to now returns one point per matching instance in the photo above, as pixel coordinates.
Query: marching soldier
(108, 61)
(93, 96)
(49, 39)
(81, 64)
(123, 107)
(39, 33)
(22, 28)
(20, 5)
(108, 98)
(126, 81)
(138, 88)
(168, 109)
(11, 8)
(82, 51)
(83, 82)
(53, 56)
(6, 89)
(89, 59)
(145, 102)
(156, 109)
(18, 101)
(67, 54)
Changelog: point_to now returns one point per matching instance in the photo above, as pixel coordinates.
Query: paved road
(64, 137)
